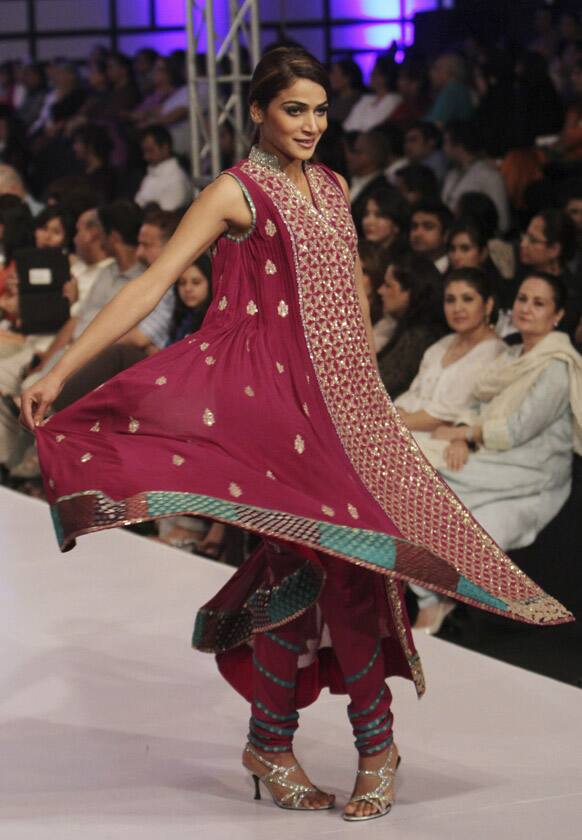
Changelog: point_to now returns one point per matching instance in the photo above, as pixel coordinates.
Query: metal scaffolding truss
(208, 111)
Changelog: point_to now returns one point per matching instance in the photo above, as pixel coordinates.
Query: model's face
(149, 244)
(51, 235)
(464, 253)
(192, 287)
(294, 121)
(465, 309)
(426, 234)
(534, 311)
(378, 228)
(535, 249)
(395, 299)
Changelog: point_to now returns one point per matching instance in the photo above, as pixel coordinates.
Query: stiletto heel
(278, 774)
(382, 797)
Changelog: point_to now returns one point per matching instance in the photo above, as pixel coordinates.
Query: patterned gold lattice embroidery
(86, 457)
(210, 360)
(270, 267)
(96, 427)
(59, 438)
(270, 227)
(208, 417)
(383, 453)
(280, 367)
(161, 380)
(234, 490)
(353, 511)
(283, 309)
(177, 460)
(204, 346)
(299, 444)
(252, 308)
(249, 391)
(133, 425)
(223, 303)
(329, 511)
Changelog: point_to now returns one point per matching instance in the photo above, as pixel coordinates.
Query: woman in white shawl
(511, 460)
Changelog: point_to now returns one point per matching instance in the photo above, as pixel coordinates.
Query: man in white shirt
(165, 182)
(471, 172)
(429, 227)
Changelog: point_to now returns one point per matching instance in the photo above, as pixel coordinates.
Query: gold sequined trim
(270, 475)
(234, 490)
(270, 227)
(353, 511)
(208, 417)
(280, 367)
(270, 267)
(96, 427)
(283, 309)
(329, 511)
(59, 438)
(86, 457)
(299, 444)
(223, 303)
(133, 425)
(204, 346)
(161, 380)
(210, 360)
(305, 409)
(252, 308)
(177, 460)
(249, 391)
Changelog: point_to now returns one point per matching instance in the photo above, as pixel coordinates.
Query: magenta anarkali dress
(273, 418)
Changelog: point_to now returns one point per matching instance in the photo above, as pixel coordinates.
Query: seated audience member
(412, 295)
(166, 79)
(16, 231)
(468, 248)
(511, 464)
(537, 108)
(374, 260)
(374, 108)
(165, 182)
(385, 219)
(450, 368)
(346, 82)
(452, 96)
(13, 146)
(395, 159)
(481, 209)
(192, 297)
(570, 142)
(92, 146)
(429, 227)
(34, 82)
(494, 84)
(54, 228)
(423, 144)
(417, 182)
(123, 96)
(366, 160)
(11, 183)
(144, 62)
(548, 245)
(412, 85)
(470, 172)
(174, 110)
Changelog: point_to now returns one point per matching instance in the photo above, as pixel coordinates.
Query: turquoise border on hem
(471, 590)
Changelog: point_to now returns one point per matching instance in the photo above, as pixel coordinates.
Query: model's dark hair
(473, 231)
(554, 281)
(54, 211)
(559, 229)
(279, 69)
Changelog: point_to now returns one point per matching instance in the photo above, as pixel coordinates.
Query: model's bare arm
(362, 296)
(219, 207)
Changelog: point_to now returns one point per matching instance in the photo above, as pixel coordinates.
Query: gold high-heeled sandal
(382, 797)
(277, 774)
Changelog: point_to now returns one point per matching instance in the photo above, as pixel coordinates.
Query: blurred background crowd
(465, 174)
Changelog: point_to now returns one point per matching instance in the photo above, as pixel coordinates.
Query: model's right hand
(36, 401)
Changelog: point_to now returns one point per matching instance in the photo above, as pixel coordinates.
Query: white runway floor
(111, 728)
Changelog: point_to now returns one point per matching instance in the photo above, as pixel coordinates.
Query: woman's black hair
(557, 285)
(469, 226)
(54, 211)
(480, 281)
(559, 229)
(97, 138)
(480, 208)
(18, 229)
(391, 205)
(374, 259)
(419, 276)
(184, 319)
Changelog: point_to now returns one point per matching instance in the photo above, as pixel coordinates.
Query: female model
(273, 417)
